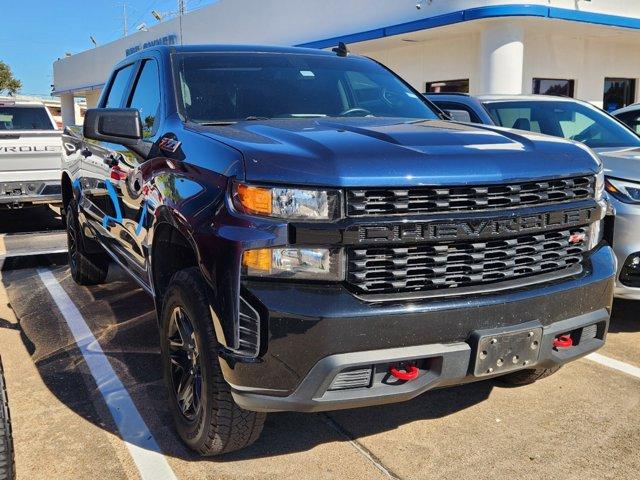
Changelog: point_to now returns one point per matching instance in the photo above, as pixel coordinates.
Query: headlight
(627, 192)
(294, 263)
(287, 203)
(600, 185)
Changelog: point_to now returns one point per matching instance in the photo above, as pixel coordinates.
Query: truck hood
(371, 152)
(621, 163)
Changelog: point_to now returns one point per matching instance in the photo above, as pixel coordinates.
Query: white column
(501, 58)
(68, 109)
(92, 98)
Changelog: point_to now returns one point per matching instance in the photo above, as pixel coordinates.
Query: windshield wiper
(251, 118)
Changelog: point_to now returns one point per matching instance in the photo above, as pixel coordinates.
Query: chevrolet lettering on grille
(471, 229)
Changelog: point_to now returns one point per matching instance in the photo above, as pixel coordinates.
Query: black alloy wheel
(72, 245)
(201, 402)
(86, 268)
(186, 369)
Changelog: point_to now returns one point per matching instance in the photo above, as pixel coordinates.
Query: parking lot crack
(364, 451)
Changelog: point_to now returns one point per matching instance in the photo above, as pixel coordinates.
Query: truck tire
(206, 416)
(526, 377)
(7, 466)
(86, 268)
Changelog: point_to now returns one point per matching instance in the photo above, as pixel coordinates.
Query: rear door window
(118, 87)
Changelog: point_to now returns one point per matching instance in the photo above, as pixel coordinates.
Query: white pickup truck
(30, 149)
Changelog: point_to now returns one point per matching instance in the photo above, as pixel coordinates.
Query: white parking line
(615, 364)
(142, 446)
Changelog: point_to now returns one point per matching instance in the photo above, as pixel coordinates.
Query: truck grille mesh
(394, 269)
(375, 201)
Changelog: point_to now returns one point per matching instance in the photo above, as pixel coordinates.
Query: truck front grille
(411, 268)
(403, 201)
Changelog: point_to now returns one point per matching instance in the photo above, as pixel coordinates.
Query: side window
(146, 97)
(632, 119)
(118, 87)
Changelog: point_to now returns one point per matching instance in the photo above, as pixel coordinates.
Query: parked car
(7, 466)
(630, 116)
(615, 144)
(315, 237)
(29, 154)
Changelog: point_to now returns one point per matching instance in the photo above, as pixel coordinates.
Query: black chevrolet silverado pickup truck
(317, 236)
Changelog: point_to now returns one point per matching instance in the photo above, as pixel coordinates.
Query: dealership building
(588, 49)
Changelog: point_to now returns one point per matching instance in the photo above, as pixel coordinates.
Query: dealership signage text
(166, 40)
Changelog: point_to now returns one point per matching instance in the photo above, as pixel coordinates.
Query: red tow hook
(406, 372)
(563, 341)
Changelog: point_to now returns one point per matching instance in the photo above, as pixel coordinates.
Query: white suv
(30, 149)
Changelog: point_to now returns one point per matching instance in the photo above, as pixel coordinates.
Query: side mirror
(113, 125)
(459, 115)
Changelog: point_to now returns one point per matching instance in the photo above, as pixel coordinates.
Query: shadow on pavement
(122, 318)
(30, 219)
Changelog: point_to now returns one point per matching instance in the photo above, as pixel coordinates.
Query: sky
(35, 33)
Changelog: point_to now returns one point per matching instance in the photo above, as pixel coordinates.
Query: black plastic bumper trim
(453, 362)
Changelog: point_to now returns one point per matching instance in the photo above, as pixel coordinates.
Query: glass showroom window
(618, 93)
(457, 86)
(553, 86)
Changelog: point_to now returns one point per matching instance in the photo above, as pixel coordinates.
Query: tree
(8, 82)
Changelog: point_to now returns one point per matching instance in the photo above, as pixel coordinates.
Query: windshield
(571, 120)
(24, 118)
(229, 87)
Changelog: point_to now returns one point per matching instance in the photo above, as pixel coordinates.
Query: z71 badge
(169, 144)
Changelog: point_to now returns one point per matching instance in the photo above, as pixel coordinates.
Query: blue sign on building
(166, 40)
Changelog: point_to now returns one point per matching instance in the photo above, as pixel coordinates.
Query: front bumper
(19, 193)
(442, 365)
(626, 242)
(317, 331)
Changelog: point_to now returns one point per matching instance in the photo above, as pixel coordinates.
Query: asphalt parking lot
(582, 423)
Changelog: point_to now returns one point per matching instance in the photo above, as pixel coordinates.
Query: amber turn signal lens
(255, 199)
(257, 260)
(610, 187)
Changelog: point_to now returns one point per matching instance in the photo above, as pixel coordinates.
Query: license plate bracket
(501, 352)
